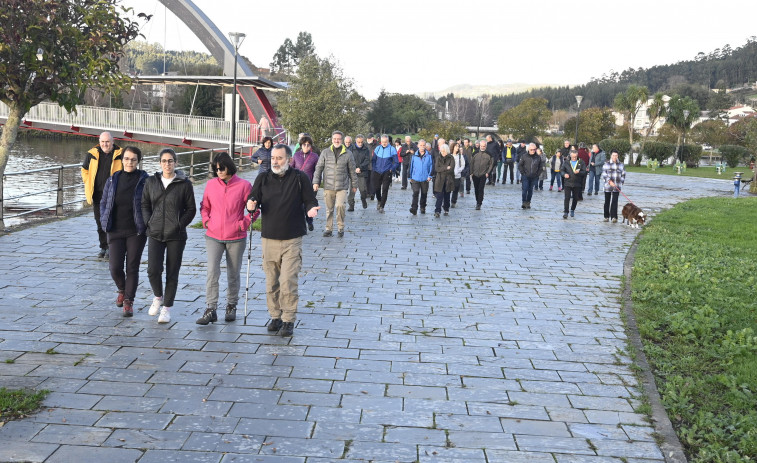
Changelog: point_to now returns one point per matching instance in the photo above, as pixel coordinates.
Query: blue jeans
(556, 176)
(593, 181)
(527, 185)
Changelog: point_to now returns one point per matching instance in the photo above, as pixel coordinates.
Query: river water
(37, 153)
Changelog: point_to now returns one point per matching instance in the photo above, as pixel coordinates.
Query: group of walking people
(133, 209)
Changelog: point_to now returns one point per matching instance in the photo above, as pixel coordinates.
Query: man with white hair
(530, 167)
(337, 166)
(383, 163)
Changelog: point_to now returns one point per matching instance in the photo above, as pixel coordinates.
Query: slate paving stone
(385, 347)
(62, 434)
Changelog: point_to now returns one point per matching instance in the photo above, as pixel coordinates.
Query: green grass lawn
(693, 290)
(19, 403)
(702, 172)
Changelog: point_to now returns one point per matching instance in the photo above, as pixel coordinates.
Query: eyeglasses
(167, 161)
(130, 159)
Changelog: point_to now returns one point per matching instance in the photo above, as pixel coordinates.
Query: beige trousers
(282, 261)
(332, 198)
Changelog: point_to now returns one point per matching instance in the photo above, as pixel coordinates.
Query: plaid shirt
(614, 171)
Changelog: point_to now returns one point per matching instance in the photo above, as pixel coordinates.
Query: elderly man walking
(530, 167)
(282, 194)
(337, 167)
(99, 164)
(383, 163)
(481, 165)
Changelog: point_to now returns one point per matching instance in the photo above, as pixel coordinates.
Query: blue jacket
(420, 166)
(109, 196)
(265, 155)
(385, 159)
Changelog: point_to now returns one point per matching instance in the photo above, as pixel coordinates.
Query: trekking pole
(254, 216)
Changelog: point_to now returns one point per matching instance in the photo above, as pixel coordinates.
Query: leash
(624, 195)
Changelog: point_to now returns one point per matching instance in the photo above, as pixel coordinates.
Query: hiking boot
(327, 233)
(128, 308)
(614, 220)
(572, 213)
(565, 215)
(120, 299)
(157, 301)
(528, 205)
(165, 315)
(340, 233)
(231, 313)
(274, 325)
(365, 203)
(589, 193)
(523, 206)
(452, 205)
(209, 316)
(446, 212)
(478, 207)
(101, 254)
(423, 210)
(287, 329)
(607, 219)
(437, 215)
(413, 211)
(351, 208)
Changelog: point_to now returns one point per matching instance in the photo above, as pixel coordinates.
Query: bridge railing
(143, 122)
(56, 190)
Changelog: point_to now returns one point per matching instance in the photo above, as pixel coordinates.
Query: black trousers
(381, 184)
(478, 185)
(405, 171)
(442, 200)
(493, 174)
(571, 192)
(509, 165)
(419, 189)
(458, 188)
(172, 252)
(611, 204)
(467, 184)
(101, 235)
(128, 248)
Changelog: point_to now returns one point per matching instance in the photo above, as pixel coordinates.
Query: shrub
(733, 154)
(659, 151)
(622, 145)
(552, 144)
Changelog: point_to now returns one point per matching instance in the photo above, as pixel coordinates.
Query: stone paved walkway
(485, 336)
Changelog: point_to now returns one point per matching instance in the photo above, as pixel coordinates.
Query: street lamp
(578, 101)
(237, 38)
(480, 115)
(686, 113)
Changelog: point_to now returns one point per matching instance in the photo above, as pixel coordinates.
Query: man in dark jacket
(530, 167)
(481, 165)
(596, 162)
(468, 153)
(282, 194)
(519, 153)
(362, 169)
(492, 147)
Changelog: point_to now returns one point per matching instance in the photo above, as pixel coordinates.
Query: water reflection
(37, 153)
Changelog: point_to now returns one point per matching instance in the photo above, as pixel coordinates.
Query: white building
(642, 124)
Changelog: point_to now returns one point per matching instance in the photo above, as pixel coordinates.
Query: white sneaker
(155, 307)
(165, 315)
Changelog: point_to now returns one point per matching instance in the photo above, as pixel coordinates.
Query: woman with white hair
(444, 182)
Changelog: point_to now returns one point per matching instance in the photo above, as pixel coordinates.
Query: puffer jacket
(362, 158)
(575, 178)
(223, 209)
(264, 155)
(384, 159)
(445, 173)
(109, 196)
(530, 165)
(168, 211)
(337, 170)
(420, 166)
(481, 164)
(90, 165)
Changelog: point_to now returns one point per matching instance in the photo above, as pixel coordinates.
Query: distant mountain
(472, 91)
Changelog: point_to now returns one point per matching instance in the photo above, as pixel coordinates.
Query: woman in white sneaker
(168, 207)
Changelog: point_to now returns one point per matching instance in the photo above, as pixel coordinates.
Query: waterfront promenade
(485, 336)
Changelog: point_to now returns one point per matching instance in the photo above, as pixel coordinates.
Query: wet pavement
(482, 336)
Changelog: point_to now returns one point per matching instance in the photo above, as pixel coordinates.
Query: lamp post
(480, 115)
(686, 113)
(237, 38)
(578, 115)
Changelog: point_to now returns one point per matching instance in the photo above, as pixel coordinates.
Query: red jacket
(223, 209)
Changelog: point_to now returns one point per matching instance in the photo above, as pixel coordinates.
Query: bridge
(143, 126)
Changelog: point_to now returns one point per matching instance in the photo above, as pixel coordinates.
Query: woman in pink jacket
(223, 216)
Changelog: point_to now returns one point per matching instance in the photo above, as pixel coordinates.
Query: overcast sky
(426, 46)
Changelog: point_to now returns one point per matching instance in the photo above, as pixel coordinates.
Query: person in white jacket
(457, 153)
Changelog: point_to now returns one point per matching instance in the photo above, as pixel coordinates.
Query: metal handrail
(60, 203)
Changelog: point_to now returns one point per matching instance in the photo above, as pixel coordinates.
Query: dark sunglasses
(221, 168)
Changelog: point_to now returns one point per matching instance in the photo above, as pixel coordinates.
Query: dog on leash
(633, 215)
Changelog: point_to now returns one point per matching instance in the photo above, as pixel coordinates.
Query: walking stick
(249, 259)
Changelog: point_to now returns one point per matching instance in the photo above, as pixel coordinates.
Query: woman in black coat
(573, 172)
(444, 181)
(168, 207)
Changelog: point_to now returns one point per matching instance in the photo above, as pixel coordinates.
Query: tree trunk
(10, 131)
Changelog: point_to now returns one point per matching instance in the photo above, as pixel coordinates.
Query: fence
(196, 165)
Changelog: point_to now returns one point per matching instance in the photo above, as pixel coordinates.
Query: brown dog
(633, 215)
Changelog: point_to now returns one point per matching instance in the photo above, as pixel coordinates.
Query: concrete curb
(670, 446)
